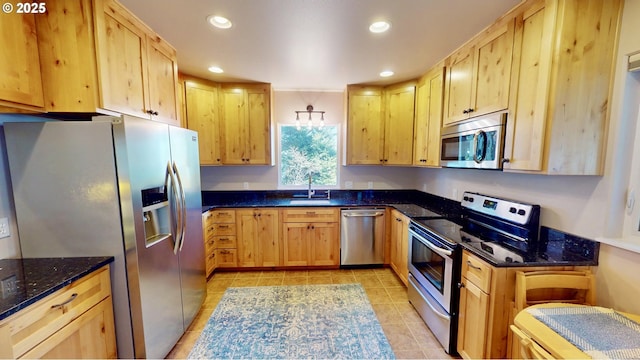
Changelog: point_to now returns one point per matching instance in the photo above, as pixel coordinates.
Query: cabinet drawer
(310, 215)
(210, 244)
(210, 261)
(209, 231)
(476, 271)
(225, 242)
(223, 216)
(31, 326)
(224, 229)
(227, 257)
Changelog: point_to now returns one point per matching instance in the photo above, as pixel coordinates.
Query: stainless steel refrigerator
(125, 187)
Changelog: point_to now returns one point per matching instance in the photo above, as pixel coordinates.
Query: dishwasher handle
(371, 214)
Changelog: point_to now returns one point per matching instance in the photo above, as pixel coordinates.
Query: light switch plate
(5, 231)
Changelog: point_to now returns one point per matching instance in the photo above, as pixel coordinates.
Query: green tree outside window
(308, 150)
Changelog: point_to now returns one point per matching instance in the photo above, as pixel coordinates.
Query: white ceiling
(315, 44)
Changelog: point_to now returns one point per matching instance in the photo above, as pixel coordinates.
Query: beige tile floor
(408, 335)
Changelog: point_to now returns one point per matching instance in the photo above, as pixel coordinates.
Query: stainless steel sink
(310, 202)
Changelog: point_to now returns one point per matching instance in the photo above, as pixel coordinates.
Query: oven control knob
(470, 199)
(512, 210)
(521, 212)
(466, 198)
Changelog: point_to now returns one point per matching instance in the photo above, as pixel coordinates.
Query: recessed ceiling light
(379, 27)
(216, 69)
(386, 73)
(219, 21)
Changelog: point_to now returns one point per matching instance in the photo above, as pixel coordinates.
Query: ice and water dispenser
(156, 215)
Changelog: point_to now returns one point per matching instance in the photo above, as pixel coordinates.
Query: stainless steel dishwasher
(362, 236)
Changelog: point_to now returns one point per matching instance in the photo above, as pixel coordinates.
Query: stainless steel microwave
(478, 143)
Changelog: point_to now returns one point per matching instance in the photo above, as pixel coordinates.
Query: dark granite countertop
(555, 248)
(37, 278)
(412, 203)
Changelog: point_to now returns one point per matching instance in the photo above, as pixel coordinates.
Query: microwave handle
(476, 139)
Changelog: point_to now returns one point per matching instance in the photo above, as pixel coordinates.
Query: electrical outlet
(348, 184)
(370, 185)
(9, 286)
(5, 231)
(245, 185)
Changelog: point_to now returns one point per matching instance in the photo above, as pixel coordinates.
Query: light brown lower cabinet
(74, 322)
(258, 238)
(399, 259)
(486, 310)
(310, 237)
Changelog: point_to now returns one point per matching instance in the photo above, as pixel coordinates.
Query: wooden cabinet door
(325, 244)
(400, 245)
(524, 139)
(122, 61)
(429, 98)
(258, 125)
(459, 84)
(90, 336)
(295, 241)
(162, 76)
(20, 80)
(246, 125)
(202, 116)
(436, 98)
(257, 238)
(233, 127)
(365, 126)
(247, 238)
(472, 321)
(421, 125)
(492, 78)
(398, 134)
(268, 239)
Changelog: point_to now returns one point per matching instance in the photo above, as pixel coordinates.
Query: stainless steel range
(504, 229)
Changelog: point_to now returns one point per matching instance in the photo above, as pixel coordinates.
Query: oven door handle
(440, 251)
(436, 311)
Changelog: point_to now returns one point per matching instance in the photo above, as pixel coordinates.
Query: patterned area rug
(293, 322)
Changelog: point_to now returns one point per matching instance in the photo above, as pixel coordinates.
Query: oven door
(431, 265)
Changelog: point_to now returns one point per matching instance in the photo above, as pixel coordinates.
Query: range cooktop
(490, 243)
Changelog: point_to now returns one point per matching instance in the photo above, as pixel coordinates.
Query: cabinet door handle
(70, 299)
(473, 266)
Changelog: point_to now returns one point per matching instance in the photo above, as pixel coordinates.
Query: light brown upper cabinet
(201, 108)
(380, 124)
(562, 77)
(96, 56)
(365, 125)
(429, 97)
(20, 82)
(246, 124)
(478, 75)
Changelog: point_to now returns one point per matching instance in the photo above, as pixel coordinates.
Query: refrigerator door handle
(176, 215)
(183, 206)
